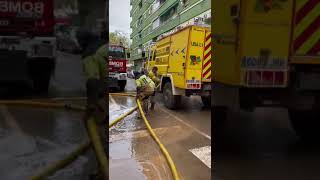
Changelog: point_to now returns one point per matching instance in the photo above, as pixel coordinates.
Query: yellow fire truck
(184, 64)
(267, 53)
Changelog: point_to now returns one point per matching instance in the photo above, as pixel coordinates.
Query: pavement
(185, 133)
(32, 138)
(262, 145)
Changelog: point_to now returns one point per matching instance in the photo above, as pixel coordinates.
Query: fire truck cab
(117, 67)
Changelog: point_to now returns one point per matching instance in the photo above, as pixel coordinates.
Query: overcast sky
(119, 16)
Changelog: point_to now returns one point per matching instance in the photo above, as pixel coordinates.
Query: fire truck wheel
(206, 101)
(306, 124)
(122, 85)
(41, 83)
(219, 117)
(171, 101)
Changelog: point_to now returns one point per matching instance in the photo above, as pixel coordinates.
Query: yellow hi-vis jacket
(154, 78)
(95, 65)
(145, 83)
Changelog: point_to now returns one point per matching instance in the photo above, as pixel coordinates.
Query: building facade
(153, 18)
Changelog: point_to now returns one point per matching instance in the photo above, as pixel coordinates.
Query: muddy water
(133, 153)
(32, 139)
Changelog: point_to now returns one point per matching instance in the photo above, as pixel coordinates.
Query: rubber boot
(152, 106)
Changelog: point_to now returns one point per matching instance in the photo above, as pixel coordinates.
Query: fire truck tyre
(171, 101)
(41, 83)
(206, 101)
(306, 124)
(122, 85)
(219, 117)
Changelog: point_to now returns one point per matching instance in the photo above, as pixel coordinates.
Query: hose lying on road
(163, 149)
(50, 170)
(123, 94)
(97, 146)
(122, 117)
(42, 104)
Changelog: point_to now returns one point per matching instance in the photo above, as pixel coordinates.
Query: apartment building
(154, 18)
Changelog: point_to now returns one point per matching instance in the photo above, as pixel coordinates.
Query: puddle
(28, 155)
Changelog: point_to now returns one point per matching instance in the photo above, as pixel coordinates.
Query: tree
(119, 36)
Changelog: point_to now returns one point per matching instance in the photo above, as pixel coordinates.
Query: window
(116, 51)
(156, 23)
(154, 55)
(140, 4)
(184, 2)
(168, 15)
(151, 56)
(155, 6)
(162, 1)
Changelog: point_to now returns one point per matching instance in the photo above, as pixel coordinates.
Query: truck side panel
(194, 56)
(225, 65)
(264, 42)
(161, 55)
(177, 57)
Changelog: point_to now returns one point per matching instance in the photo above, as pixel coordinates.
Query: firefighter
(94, 54)
(94, 67)
(153, 74)
(145, 87)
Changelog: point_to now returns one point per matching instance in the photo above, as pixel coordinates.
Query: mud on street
(32, 138)
(262, 145)
(185, 133)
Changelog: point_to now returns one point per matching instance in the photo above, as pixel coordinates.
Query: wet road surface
(262, 145)
(185, 133)
(32, 138)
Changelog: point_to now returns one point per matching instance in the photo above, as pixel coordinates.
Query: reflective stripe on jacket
(145, 82)
(95, 66)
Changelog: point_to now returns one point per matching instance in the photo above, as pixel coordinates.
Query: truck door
(225, 39)
(178, 57)
(265, 39)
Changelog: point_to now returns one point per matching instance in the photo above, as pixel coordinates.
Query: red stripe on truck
(208, 70)
(315, 50)
(305, 10)
(208, 37)
(207, 55)
(207, 46)
(314, 26)
(207, 63)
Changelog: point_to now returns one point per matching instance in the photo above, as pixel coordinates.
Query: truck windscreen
(116, 52)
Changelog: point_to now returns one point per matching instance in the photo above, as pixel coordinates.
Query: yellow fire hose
(98, 147)
(42, 104)
(162, 147)
(122, 117)
(123, 94)
(62, 163)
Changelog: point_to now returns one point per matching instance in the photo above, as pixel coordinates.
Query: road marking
(142, 133)
(9, 119)
(187, 124)
(204, 154)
